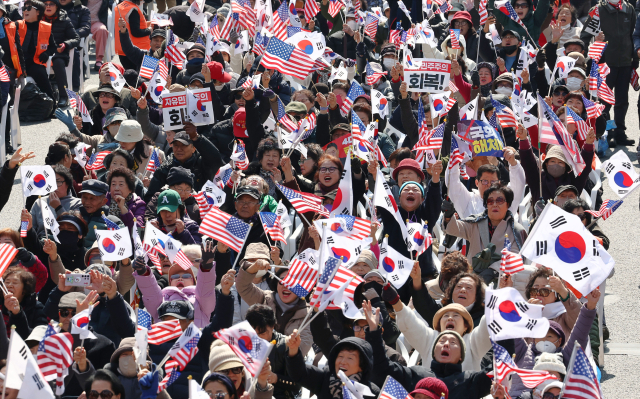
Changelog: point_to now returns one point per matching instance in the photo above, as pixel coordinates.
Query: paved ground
(622, 300)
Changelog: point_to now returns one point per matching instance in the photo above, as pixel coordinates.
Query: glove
(66, 118)
(233, 36)
(44, 57)
(206, 257)
(25, 257)
(355, 165)
(475, 79)
(248, 59)
(140, 266)
(269, 94)
(372, 290)
(389, 294)
(448, 208)
(149, 384)
(541, 58)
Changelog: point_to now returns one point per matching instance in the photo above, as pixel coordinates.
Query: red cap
(410, 164)
(240, 123)
(432, 388)
(462, 15)
(217, 72)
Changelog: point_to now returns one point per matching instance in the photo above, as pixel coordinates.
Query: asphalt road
(622, 301)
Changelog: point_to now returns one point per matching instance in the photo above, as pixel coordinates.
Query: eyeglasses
(459, 24)
(235, 370)
(543, 292)
(106, 394)
(246, 203)
(301, 161)
(67, 312)
(217, 395)
(549, 395)
(107, 95)
(497, 201)
(560, 93)
(328, 170)
(27, 8)
(59, 182)
(486, 182)
(182, 191)
(182, 276)
(357, 328)
(521, 5)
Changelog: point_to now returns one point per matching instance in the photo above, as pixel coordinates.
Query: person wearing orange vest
(37, 43)
(65, 35)
(138, 29)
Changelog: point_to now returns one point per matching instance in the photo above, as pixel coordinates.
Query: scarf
(2, 34)
(267, 176)
(321, 189)
(113, 207)
(335, 384)
(285, 307)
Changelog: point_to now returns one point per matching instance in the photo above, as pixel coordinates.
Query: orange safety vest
(123, 10)
(10, 28)
(44, 32)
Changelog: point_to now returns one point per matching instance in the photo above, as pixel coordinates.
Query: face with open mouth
(564, 17)
(270, 160)
(348, 361)
(285, 295)
(329, 174)
(410, 197)
(452, 320)
(181, 280)
(448, 349)
(464, 293)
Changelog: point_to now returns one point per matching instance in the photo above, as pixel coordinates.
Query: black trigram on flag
(581, 274)
(494, 327)
(559, 221)
(28, 174)
(609, 167)
(492, 302)
(531, 323)
(541, 248)
(627, 165)
(595, 249)
(121, 251)
(522, 306)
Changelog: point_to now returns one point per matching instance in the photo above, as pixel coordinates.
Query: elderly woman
(487, 230)
(20, 304)
(565, 28)
(121, 158)
(266, 164)
(25, 258)
(122, 201)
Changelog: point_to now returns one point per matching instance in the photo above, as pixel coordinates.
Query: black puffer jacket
(80, 18)
(63, 31)
(317, 381)
(31, 315)
(221, 135)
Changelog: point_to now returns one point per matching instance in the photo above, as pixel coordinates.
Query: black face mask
(510, 49)
(68, 241)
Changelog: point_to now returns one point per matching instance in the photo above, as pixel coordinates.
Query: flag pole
(241, 248)
(4, 386)
(539, 149)
(319, 266)
(46, 235)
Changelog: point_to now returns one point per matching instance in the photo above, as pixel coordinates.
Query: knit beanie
(463, 347)
(432, 388)
(222, 357)
(550, 362)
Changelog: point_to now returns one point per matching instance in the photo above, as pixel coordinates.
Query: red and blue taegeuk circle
(113, 76)
(200, 106)
(388, 264)
(245, 344)
(306, 46)
(409, 60)
(108, 245)
(82, 322)
(570, 247)
(623, 179)
(561, 66)
(39, 181)
(418, 238)
(362, 147)
(336, 228)
(438, 104)
(383, 103)
(341, 254)
(158, 90)
(509, 312)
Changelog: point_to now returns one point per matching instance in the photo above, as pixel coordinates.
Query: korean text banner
(482, 136)
(427, 75)
(175, 112)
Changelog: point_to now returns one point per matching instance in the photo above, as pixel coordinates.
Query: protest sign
(174, 108)
(427, 75)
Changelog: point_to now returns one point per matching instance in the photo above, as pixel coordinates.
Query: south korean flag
(621, 174)
(37, 180)
(561, 242)
(114, 245)
(509, 316)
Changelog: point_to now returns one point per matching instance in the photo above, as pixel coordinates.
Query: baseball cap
(169, 200)
(181, 310)
(567, 187)
(248, 190)
(217, 72)
(95, 187)
(240, 123)
(183, 137)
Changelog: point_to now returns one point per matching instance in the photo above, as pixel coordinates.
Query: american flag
(96, 160)
(239, 155)
(148, 66)
(163, 71)
(7, 253)
(581, 126)
(286, 58)
(510, 263)
(455, 38)
(482, 10)
(581, 381)
(54, 357)
(76, 102)
(23, 228)
(444, 8)
(187, 352)
(334, 7)
(311, 9)
(374, 73)
(172, 53)
(329, 270)
(605, 93)
(596, 82)
(144, 318)
(458, 155)
(357, 127)
(306, 126)
(371, 25)
(505, 115)
(355, 91)
(4, 76)
(604, 69)
(453, 87)
(271, 225)
(504, 366)
(301, 278)
(163, 331)
(302, 202)
(214, 28)
(593, 110)
(248, 18)
(236, 6)
(72, 98)
(170, 377)
(203, 203)
(223, 175)
(109, 223)
(355, 227)
(394, 36)
(422, 122)
(595, 51)
(435, 138)
(606, 209)
(280, 21)
(283, 119)
(393, 390)
(594, 77)
(154, 161)
(232, 22)
(507, 9)
(223, 227)
(179, 257)
(292, 30)
(341, 277)
(634, 80)
(259, 43)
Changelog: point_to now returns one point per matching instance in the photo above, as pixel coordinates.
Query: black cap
(340, 126)
(197, 76)
(183, 137)
(562, 189)
(248, 190)
(182, 309)
(574, 41)
(158, 32)
(178, 175)
(197, 47)
(556, 87)
(513, 32)
(95, 187)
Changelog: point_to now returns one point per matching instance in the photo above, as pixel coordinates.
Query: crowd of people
(430, 334)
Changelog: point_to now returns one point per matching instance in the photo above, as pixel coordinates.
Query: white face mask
(546, 346)
(127, 366)
(218, 88)
(353, 25)
(574, 83)
(504, 90)
(388, 63)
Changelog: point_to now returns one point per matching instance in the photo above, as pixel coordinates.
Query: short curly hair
(541, 272)
(128, 175)
(479, 301)
(453, 264)
(27, 279)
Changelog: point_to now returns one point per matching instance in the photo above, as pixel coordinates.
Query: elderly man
(94, 201)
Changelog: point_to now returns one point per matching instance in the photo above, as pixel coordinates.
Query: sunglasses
(67, 312)
(521, 5)
(238, 96)
(560, 93)
(27, 8)
(357, 328)
(107, 95)
(104, 394)
(543, 292)
(217, 395)
(235, 370)
(549, 395)
(497, 201)
(182, 276)
(582, 216)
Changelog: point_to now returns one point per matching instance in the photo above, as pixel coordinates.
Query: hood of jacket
(529, 13)
(366, 353)
(187, 293)
(463, 43)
